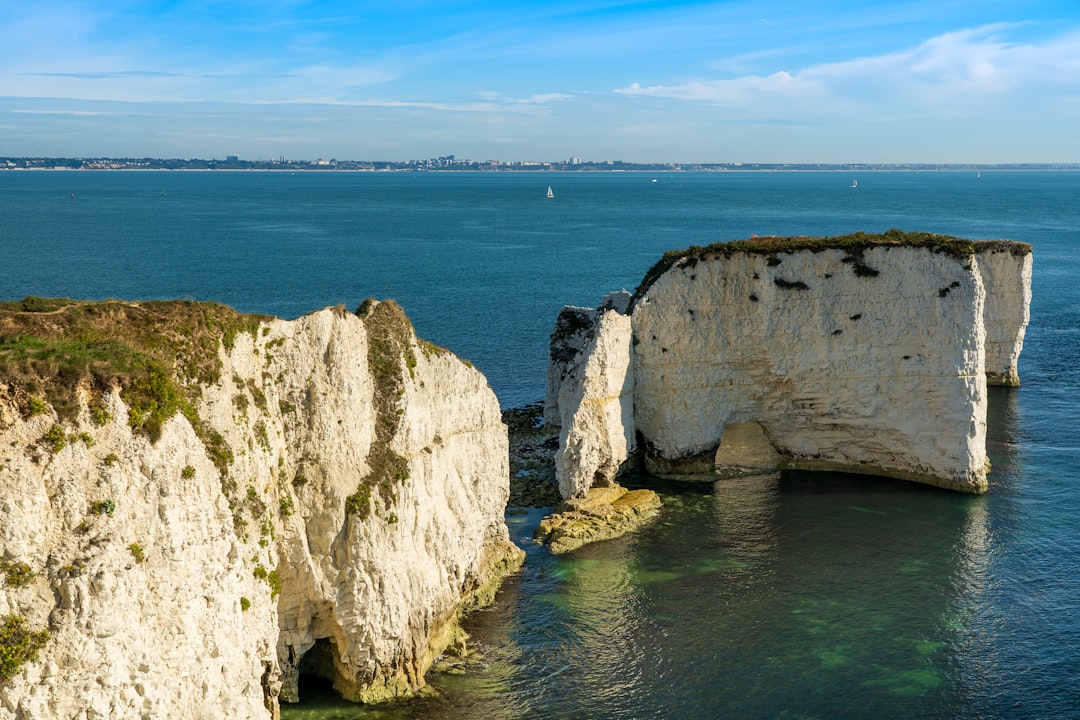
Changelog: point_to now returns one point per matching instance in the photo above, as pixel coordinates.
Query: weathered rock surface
(596, 408)
(575, 328)
(1005, 269)
(867, 354)
(348, 509)
(602, 513)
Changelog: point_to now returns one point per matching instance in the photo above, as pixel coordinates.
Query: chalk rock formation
(595, 403)
(575, 327)
(330, 502)
(861, 354)
(1005, 269)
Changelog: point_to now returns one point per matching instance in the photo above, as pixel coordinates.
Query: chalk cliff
(864, 353)
(322, 495)
(1005, 269)
(594, 397)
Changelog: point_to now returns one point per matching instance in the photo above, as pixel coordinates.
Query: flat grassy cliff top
(852, 244)
(158, 352)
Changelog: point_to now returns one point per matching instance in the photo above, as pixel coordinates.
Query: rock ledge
(603, 514)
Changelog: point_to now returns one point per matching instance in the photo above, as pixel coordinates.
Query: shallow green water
(794, 595)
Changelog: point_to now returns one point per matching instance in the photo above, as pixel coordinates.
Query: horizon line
(450, 162)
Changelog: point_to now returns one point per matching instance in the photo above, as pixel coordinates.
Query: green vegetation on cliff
(390, 353)
(853, 245)
(16, 574)
(159, 354)
(18, 645)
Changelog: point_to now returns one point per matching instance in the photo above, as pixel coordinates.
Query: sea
(792, 596)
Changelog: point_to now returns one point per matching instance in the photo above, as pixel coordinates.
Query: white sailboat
(550, 194)
(854, 183)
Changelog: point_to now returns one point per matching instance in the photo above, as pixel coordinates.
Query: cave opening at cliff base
(745, 447)
(315, 674)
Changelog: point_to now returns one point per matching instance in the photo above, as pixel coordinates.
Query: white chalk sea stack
(865, 353)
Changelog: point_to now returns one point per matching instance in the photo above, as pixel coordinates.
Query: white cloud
(489, 102)
(544, 98)
(731, 92)
(959, 72)
(538, 99)
(473, 107)
(68, 113)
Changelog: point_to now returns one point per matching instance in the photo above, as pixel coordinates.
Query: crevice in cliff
(390, 352)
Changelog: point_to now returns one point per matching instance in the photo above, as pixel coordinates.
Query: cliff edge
(201, 506)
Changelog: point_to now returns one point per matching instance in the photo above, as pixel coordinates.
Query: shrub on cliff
(390, 353)
(18, 645)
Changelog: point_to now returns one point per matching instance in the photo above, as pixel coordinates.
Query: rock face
(575, 327)
(861, 354)
(1005, 269)
(595, 402)
(331, 504)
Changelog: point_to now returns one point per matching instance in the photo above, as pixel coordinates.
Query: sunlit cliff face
(867, 358)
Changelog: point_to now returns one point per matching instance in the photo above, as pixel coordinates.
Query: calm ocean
(803, 596)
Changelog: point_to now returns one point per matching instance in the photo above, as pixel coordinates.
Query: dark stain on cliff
(390, 353)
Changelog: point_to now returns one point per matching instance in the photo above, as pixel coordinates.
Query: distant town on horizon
(452, 163)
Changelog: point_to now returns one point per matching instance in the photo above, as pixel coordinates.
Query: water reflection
(975, 618)
(744, 521)
(790, 594)
(793, 594)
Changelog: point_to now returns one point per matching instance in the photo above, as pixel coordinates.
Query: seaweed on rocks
(532, 457)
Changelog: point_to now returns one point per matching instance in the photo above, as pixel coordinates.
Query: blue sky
(650, 81)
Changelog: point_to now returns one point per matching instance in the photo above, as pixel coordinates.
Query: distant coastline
(452, 164)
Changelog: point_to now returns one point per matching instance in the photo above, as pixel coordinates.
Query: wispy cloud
(69, 113)
(112, 75)
(940, 76)
(496, 104)
(784, 79)
(544, 98)
(538, 99)
(739, 91)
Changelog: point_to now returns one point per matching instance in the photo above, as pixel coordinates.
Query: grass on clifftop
(158, 353)
(853, 244)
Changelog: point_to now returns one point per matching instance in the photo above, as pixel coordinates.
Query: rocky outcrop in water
(603, 513)
(593, 394)
(324, 495)
(865, 353)
(1005, 269)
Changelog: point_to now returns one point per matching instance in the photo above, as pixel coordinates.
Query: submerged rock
(602, 514)
(532, 458)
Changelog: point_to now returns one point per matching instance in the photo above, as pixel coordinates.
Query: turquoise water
(793, 596)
